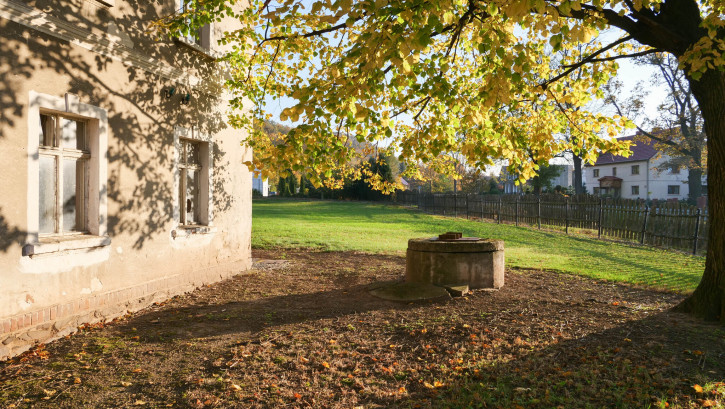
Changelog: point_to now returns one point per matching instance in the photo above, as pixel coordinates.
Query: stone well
(478, 263)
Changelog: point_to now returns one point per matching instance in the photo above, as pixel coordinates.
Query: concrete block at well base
(398, 291)
(457, 290)
(480, 264)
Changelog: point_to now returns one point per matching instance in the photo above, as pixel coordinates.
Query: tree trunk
(708, 299)
(578, 185)
(694, 184)
(536, 183)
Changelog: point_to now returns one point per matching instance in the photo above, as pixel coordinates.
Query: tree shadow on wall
(141, 119)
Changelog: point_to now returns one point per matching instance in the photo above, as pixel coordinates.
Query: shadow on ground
(307, 334)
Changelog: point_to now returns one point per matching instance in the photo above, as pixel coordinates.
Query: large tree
(410, 75)
(677, 127)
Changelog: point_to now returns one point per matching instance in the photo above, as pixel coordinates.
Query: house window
(192, 208)
(596, 173)
(635, 190)
(189, 174)
(596, 190)
(673, 190)
(635, 169)
(614, 171)
(202, 37)
(63, 156)
(68, 169)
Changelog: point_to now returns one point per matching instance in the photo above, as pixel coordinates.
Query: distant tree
(677, 130)
(546, 174)
(287, 184)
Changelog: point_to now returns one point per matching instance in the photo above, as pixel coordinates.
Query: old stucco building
(121, 183)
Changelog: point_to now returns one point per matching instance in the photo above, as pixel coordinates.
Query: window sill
(207, 52)
(191, 230)
(47, 245)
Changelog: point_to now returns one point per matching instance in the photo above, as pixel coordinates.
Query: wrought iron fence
(662, 224)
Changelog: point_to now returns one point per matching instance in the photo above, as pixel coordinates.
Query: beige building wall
(96, 60)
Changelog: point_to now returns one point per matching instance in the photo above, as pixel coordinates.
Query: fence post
(455, 205)
(467, 198)
(697, 231)
(481, 197)
(644, 225)
(601, 202)
(445, 202)
(538, 211)
(566, 215)
(499, 209)
(517, 209)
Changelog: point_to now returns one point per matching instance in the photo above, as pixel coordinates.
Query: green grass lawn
(375, 228)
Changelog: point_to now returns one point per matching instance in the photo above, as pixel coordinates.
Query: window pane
(70, 202)
(46, 199)
(73, 134)
(47, 129)
(192, 153)
(192, 196)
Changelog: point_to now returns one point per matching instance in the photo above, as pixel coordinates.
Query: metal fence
(662, 224)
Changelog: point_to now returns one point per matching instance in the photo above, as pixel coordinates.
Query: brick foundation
(21, 332)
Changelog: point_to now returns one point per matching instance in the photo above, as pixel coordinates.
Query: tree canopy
(481, 78)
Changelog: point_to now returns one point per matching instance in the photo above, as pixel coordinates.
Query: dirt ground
(303, 331)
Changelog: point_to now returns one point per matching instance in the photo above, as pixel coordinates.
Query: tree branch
(672, 144)
(586, 60)
(617, 57)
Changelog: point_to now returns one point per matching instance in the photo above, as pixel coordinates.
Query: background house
(260, 185)
(565, 179)
(640, 175)
(122, 185)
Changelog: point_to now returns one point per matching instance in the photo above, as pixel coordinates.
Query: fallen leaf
(707, 403)
(77, 381)
(325, 364)
(235, 387)
(139, 403)
(125, 384)
(697, 388)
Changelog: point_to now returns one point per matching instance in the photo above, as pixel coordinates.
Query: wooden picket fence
(662, 224)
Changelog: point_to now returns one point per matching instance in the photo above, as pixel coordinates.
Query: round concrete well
(476, 263)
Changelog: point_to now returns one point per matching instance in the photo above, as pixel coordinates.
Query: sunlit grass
(376, 228)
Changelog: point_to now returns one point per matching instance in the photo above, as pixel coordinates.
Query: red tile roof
(612, 178)
(642, 149)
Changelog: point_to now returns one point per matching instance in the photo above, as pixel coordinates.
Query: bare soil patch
(303, 331)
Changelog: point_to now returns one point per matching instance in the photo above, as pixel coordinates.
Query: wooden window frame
(635, 169)
(184, 167)
(203, 38)
(595, 173)
(60, 154)
(674, 187)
